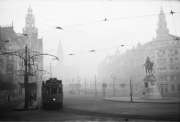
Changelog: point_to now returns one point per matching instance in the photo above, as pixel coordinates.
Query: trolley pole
(50, 68)
(26, 87)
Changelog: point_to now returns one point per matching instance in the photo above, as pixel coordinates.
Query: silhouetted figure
(31, 100)
(9, 98)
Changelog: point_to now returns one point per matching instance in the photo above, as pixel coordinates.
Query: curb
(136, 101)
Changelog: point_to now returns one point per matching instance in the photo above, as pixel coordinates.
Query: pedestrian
(9, 99)
(31, 100)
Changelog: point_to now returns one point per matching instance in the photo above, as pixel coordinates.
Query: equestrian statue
(148, 66)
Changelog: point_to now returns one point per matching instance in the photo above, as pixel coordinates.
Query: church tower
(162, 32)
(30, 28)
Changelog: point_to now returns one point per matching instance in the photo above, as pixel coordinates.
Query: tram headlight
(54, 99)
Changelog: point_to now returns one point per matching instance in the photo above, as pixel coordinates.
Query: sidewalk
(143, 100)
(20, 107)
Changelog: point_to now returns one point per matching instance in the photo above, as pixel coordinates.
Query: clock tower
(30, 29)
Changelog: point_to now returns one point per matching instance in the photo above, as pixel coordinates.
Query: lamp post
(85, 88)
(131, 91)
(26, 78)
(113, 84)
(95, 85)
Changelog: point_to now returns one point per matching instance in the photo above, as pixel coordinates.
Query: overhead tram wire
(100, 20)
(105, 19)
(172, 13)
(95, 50)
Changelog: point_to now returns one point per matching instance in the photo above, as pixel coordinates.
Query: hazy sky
(129, 22)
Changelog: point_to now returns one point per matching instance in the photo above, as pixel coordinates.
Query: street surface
(82, 108)
(41, 115)
(151, 111)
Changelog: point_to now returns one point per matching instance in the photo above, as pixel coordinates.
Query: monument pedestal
(151, 90)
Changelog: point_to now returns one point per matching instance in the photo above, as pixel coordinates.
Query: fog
(84, 29)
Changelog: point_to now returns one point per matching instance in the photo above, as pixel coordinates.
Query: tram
(52, 94)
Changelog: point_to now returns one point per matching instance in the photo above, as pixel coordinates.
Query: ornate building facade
(17, 42)
(164, 51)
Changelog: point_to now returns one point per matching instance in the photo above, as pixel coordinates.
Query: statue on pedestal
(148, 66)
(150, 83)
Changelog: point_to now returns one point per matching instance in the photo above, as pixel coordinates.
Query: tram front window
(48, 91)
(54, 90)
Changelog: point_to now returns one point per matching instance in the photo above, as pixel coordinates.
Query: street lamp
(113, 84)
(60, 28)
(131, 91)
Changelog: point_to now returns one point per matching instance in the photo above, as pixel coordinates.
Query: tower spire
(30, 23)
(30, 20)
(162, 31)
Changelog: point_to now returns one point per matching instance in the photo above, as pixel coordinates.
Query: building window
(162, 68)
(171, 60)
(176, 58)
(172, 87)
(176, 52)
(166, 89)
(160, 53)
(168, 78)
(172, 67)
(161, 61)
(165, 78)
(1, 61)
(175, 78)
(172, 52)
(178, 87)
(172, 78)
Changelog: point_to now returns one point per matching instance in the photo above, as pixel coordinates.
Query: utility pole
(113, 85)
(26, 86)
(95, 86)
(114, 90)
(85, 86)
(131, 91)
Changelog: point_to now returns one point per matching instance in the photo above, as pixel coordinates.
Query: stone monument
(151, 90)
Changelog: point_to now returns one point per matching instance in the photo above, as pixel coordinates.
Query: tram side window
(60, 90)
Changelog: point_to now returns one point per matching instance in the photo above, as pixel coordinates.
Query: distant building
(68, 73)
(16, 42)
(164, 51)
(9, 63)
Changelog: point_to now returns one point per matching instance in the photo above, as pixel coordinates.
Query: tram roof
(53, 81)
